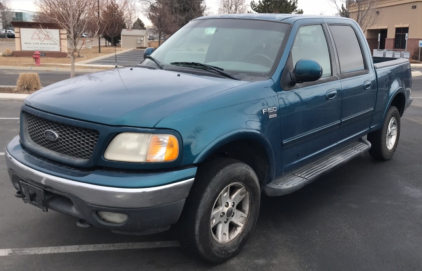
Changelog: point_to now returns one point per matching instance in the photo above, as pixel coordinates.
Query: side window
(310, 43)
(348, 49)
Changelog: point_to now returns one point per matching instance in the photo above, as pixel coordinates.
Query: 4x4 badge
(51, 135)
(272, 112)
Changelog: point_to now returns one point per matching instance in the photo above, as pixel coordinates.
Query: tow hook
(19, 194)
(83, 224)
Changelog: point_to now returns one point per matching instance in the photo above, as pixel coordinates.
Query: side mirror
(306, 71)
(148, 51)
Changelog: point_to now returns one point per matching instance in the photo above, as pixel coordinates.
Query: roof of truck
(289, 18)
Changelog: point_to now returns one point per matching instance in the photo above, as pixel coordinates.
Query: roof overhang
(35, 25)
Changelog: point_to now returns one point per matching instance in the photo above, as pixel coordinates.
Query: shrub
(7, 52)
(28, 82)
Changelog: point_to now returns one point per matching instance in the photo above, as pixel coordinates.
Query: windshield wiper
(155, 61)
(206, 67)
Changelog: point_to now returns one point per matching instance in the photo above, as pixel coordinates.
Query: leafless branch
(232, 7)
(73, 16)
(364, 12)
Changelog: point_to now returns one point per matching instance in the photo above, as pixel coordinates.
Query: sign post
(420, 45)
(379, 40)
(407, 37)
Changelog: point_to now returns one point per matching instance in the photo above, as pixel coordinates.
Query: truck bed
(382, 62)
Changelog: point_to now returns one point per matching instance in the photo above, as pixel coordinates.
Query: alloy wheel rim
(391, 137)
(230, 213)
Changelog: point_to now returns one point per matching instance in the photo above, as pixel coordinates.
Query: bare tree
(6, 15)
(168, 16)
(364, 12)
(232, 7)
(129, 10)
(73, 16)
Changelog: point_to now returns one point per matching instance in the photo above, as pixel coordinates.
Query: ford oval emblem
(51, 135)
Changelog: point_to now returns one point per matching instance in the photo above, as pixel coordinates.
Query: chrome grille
(72, 141)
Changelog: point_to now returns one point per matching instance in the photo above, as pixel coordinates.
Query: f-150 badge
(272, 112)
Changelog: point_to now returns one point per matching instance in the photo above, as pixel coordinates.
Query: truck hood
(137, 97)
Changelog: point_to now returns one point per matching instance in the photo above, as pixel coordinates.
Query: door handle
(331, 94)
(367, 85)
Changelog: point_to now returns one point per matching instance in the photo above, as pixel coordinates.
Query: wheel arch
(397, 99)
(244, 142)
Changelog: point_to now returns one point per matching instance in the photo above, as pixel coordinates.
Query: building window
(400, 41)
(413, 7)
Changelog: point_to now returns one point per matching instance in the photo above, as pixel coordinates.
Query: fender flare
(243, 134)
(393, 95)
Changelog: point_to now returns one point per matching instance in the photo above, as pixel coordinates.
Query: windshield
(240, 47)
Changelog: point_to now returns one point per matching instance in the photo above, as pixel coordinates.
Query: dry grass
(7, 52)
(28, 82)
(7, 90)
(86, 54)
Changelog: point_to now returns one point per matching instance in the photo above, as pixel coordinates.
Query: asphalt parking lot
(366, 215)
(126, 59)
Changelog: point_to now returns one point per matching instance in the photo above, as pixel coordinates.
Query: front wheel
(221, 211)
(384, 142)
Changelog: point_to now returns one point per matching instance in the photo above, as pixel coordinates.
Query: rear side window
(348, 49)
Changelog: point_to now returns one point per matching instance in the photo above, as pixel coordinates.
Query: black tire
(195, 225)
(378, 139)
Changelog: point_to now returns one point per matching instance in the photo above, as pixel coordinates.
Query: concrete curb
(12, 96)
(104, 56)
(416, 74)
(30, 68)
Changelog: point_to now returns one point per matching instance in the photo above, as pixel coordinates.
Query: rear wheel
(221, 211)
(384, 142)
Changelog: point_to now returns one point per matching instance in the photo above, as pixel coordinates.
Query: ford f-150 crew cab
(228, 108)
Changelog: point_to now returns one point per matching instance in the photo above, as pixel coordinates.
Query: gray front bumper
(102, 195)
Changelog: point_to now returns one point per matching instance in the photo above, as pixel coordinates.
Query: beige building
(392, 21)
(133, 38)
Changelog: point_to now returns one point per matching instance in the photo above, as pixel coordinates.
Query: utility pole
(99, 36)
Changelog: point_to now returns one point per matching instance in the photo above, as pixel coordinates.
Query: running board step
(297, 179)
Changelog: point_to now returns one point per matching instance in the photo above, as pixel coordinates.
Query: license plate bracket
(33, 195)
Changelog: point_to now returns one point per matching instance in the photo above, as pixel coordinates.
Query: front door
(309, 112)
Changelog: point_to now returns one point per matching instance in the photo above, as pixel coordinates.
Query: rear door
(358, 81)
(309, 113)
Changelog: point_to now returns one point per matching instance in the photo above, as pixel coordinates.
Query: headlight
(136, 147)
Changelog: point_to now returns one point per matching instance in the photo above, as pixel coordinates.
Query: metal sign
(407, 36)
(420, 43)
(34, 39)
(379, 37)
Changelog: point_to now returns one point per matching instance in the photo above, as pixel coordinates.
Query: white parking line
(86, 248)
(9, 118)
(1, 153)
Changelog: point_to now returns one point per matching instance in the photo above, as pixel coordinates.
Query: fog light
(110, 217)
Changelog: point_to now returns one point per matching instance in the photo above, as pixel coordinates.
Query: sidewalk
(12, 96)
(416, 65)
(82, 66)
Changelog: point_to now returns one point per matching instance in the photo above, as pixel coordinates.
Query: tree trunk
(159, 38)
(72, 65)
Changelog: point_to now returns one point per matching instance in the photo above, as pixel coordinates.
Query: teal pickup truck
(227, 109)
